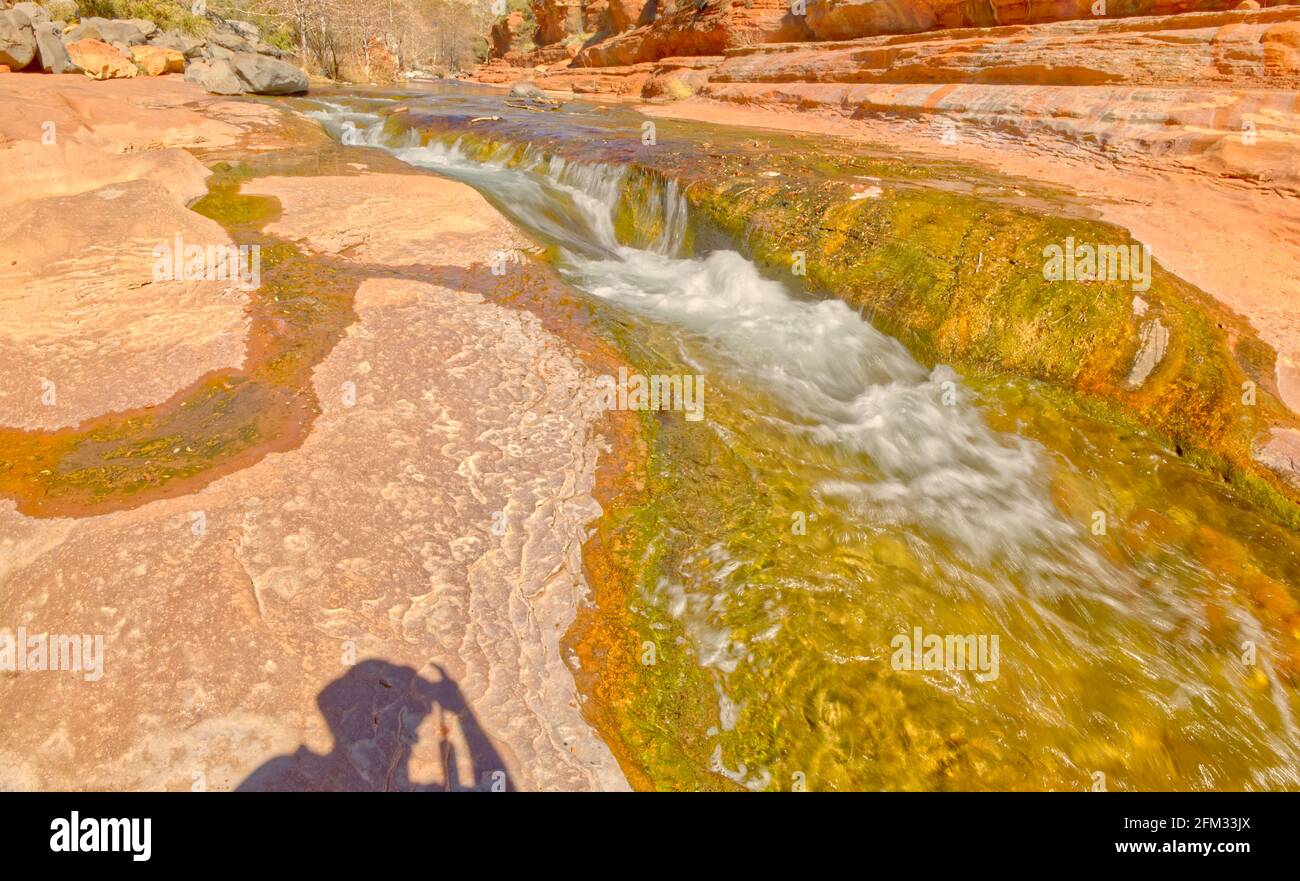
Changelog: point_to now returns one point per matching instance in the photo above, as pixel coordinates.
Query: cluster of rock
(675, 48)
(231, 60)
(1206, 84)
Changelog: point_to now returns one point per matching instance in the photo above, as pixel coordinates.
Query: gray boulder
(127, 33)
(245, 29)
(187, 46)
(49, 48)
(268, 76)
(230, 40)
(195, 71)
(211, 52)
(37, 13)
(146, 27)
(529, 92)
(17, 39)
(219, 77)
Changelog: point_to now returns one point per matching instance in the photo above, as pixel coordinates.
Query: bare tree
(373, 39)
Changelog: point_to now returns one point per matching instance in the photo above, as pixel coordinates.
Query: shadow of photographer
(374, 712)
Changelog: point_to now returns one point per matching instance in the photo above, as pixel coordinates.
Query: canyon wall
(603, 33)
(846, 19)
(1189, 80)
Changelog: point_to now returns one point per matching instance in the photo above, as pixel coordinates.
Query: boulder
(509, 34)
(268, 76)
(107, 31)
(529, 92)
(196, 70)
(34, 11)
(158, 60)
(219, 77)
(675, 85)
(593, 16)
(50, 49)
(100, 61)
(187, 46)
(146, 27)
(17, 39)
(245, 29)
(625, 14)
(230, 40)
(556, 20)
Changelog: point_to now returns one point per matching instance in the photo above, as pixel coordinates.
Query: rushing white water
(910, 456)
(844, 383)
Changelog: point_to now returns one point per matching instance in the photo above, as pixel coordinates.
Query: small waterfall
(599, 192)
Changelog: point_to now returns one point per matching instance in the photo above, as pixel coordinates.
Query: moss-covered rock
(960, 279)
(952, 261)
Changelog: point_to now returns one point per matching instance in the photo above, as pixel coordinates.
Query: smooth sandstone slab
(95, 178)
(82, 315)
(389, 219)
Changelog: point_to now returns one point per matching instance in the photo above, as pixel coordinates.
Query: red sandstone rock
(846, 19)
(99, 60)
(675, 84)
(593, 15)
(1281, 49)
(157, 60)
(557, 20)
(508, 35)
(1240, 48)
(707, 29)
(626, 14)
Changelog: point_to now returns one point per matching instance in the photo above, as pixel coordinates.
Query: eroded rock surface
(416, 561)
(376, 539)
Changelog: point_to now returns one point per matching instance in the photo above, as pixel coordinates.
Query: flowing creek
(837, 493)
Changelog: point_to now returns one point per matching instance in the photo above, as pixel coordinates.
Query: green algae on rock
(951, 261)
(226, 420)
